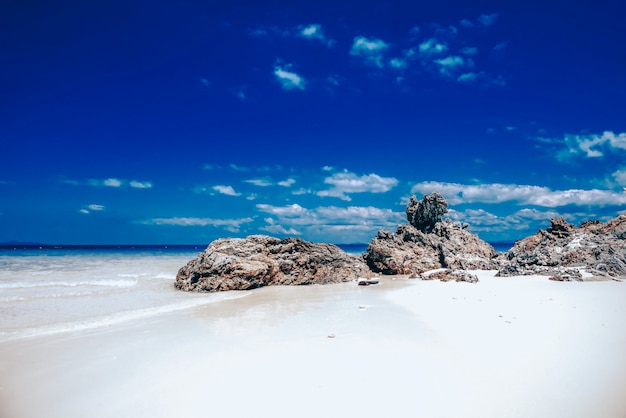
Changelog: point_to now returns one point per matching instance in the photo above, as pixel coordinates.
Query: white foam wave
(108, 283)
(45, 296)
(131, 275)
(12, 299)
(167, 276)
(117, 318)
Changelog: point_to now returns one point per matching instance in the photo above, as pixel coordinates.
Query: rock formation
(259, 260)
(564, 251)
(425, 214)
(428, 243)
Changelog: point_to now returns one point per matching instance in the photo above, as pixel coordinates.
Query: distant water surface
(503, 246)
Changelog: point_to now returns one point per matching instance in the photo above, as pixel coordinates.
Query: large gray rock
(564, 251)
(259, 260)
(434, 244)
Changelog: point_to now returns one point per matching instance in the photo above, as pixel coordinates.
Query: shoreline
(503, 347)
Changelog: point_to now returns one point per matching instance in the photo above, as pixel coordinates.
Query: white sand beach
(504, 347)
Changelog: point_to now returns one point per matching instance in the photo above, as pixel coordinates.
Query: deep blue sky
(181, 122)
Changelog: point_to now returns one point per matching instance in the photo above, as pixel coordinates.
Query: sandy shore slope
(514, 347)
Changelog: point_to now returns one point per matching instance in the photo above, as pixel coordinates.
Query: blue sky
(181, 122)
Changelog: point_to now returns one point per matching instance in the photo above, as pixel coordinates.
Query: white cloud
(345, 182)
(140, 184)
(398, 63)
(331, 223)
(364, 46)
(590, 146)
(488, 19)
(467, 23)
(91, 208)
(288, 211)
(358, 214)
(330, 214)
(457, 194)
(371, 50)
(301, 191)
(450, 64)
(535, 214)
(112, 183)
(239, 168)
(451, 61)
(509, 226)
(232, 225)
(432, 47)
(467, 77)
(312, 32)
(315, 31)
(273, 228)
(620, 176)
(260, 182)
(227, 190)
(288, 79)
(287, 183)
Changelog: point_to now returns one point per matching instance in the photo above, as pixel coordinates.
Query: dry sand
(514, 347)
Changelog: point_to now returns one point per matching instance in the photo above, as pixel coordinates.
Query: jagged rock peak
(560, 227)
(565, 252)
(260, 260)
(425, 213)
(428, 243)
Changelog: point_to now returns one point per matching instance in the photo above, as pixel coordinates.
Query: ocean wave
(131, 275)
(12, 299)
(46, 296)
(168, 276)
(107, 283)
(117, 318)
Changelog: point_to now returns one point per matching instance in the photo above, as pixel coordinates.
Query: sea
(47, 290)
(51, 289)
